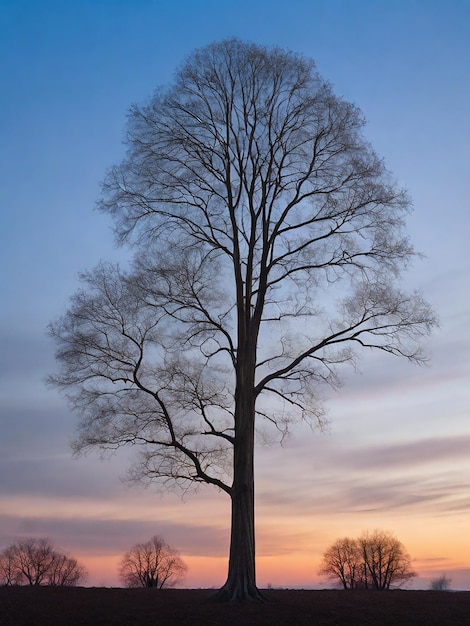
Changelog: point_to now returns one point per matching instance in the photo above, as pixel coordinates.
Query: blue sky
(397, 451)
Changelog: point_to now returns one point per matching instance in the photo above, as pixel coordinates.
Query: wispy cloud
(112, 536)
(61, 476)
(330, 474)
(406, 454)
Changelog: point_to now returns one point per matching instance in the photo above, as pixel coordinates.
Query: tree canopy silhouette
(375, 560)
(151, 564)
(269, 240)
(34, 561)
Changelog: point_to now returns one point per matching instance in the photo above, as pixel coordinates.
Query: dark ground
(38, 606)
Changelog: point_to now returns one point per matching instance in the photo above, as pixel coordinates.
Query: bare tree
(269, 240)
(35, 562)
(9, 572)
(375, 560)
(152, 564)
(441, 583)
(65, 571)
(341, 562)
(386, 562)
(33, 559)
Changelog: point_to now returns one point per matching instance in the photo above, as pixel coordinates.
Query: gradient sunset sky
(396, 455)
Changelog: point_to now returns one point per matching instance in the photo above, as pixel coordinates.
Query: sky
(396, 453)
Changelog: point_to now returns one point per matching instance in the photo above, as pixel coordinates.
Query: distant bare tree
(442, 583)
(375, 560)
(152, 564)
(269, 243)
(35, 562)
(340, 562)
(33, 558)
(9, 572)
(385, 560)
(65, 571)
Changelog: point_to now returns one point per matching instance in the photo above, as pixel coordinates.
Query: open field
(40, 606)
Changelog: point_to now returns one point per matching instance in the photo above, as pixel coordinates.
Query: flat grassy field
(38, 606)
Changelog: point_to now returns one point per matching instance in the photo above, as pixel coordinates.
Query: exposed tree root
(238, 593)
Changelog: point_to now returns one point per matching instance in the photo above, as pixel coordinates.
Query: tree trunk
(241, 580)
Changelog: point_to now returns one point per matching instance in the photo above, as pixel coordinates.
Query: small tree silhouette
(375, 560)
(34, 561)
(441, 584)
(151, 564)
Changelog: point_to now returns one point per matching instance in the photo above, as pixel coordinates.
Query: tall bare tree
(269, 239)
(152, 564)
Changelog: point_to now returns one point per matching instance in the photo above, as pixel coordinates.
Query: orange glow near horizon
(299, 513)
(434, 549)
(294, 571)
